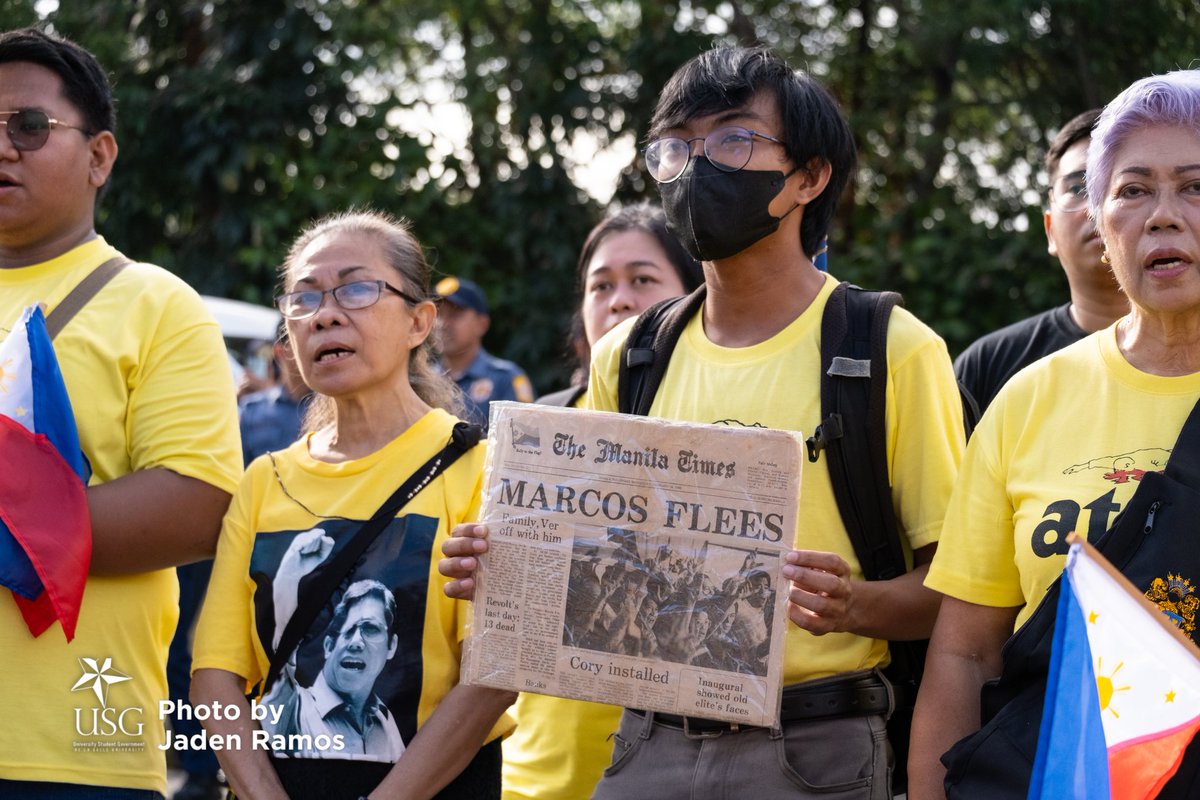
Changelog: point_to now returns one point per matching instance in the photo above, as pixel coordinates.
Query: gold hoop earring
(1104, 257)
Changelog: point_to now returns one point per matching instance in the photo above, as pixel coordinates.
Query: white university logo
(105, 721)
(98, 677)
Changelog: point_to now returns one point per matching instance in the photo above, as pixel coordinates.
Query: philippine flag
(45, 530)
(1123, 691)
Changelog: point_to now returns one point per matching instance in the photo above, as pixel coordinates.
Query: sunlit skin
(1150, 221)
(736, 313)
(762, 114)
(628, 273)
(359, 357)
(47, 195)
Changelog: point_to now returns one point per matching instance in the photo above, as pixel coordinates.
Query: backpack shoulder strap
(647, 350)
(84, 291)
(853, 429)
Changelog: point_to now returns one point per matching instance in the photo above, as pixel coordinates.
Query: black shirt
(991, 360)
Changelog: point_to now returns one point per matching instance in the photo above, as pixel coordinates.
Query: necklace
(288, 495)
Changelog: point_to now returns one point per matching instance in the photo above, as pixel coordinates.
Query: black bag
(853, 432)
(1155, 534)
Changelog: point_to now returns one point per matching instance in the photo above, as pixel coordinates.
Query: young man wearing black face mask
(750, 157)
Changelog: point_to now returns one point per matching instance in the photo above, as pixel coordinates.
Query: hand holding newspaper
(635, 561)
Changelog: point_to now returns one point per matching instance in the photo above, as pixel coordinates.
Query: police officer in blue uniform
(462, 321)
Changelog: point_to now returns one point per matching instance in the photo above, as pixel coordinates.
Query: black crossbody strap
(1184, 463)
(84, 291)
(320, 590)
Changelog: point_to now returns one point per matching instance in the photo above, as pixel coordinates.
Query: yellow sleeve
(925, 428)
(603, 372)
(182, 412)
(225, 633)
(976, 558)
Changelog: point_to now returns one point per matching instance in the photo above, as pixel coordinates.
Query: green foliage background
(241, 121)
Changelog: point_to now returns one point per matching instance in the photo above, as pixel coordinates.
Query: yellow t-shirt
(150, 386)
(559, 749)
(1060, 449)
(774, 384)
(274, 518)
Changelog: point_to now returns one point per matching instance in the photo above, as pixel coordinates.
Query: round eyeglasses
(29, 128)
(729, 149)
(1069, 194)
(350, 296)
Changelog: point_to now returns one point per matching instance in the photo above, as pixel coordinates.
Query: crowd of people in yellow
(326, 655)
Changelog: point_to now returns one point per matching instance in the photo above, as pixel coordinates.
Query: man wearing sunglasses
(152, 394)
(1096, 299)
(750, 158)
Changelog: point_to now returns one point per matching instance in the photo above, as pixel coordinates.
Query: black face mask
(718, 214)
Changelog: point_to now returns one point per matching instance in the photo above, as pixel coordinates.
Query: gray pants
(831, 759)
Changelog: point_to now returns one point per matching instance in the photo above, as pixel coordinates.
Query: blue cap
(462, 293)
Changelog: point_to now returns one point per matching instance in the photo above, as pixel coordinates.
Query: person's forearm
(964, 653)
(247, 768)
(947, 710)
(900, 609)
(153, 519)
(445, 744)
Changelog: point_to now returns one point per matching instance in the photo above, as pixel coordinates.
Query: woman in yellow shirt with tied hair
(368, 702)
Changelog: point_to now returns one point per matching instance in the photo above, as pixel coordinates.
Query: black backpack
(852, 433)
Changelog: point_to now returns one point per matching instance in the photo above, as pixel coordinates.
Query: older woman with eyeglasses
(355, 654)
(1065, 446)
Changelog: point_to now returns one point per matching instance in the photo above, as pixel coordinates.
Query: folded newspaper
(635, 561)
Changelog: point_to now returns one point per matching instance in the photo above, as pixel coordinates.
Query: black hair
(814, 130)
(1077, 129)
(85, 85)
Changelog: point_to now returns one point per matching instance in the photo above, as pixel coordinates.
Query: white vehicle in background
(249, 332)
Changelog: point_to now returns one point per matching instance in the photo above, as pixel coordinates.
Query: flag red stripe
(44, 505)
(1139, 771)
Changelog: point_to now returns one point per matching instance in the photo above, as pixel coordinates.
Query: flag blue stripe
(54, 419)
(51, 405)
(1072, 757)
(16, 570)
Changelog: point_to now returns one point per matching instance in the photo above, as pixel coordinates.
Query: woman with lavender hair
(1064, 447)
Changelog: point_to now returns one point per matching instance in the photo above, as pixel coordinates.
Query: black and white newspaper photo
(635, 561)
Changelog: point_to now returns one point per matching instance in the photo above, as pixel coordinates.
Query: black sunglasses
(28, 129)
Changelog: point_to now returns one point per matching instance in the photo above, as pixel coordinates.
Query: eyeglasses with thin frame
(729, 149)
(350, 296)
(29, 129)
(1069, 194)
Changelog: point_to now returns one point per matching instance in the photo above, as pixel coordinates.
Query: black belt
(829, 698)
